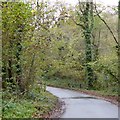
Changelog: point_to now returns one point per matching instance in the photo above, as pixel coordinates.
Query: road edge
(116, 102)
(57, 111)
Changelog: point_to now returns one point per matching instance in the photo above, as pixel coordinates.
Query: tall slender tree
(87, 26)
(119, 41)
(88, 22)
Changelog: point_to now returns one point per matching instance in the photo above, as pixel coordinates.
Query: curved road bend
(79, 105)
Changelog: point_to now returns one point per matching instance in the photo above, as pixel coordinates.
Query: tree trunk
(10, 71)
(119, 43)
(30, 79)
(88, 22)
(18, 67)
(96, 46)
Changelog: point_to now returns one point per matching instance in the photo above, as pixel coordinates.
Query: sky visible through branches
(105, 2)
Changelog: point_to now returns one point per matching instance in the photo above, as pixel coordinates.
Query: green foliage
(18, 109)
(63, 82)
(16, 19)
(106, 72)
(54, 45)
(27, 106)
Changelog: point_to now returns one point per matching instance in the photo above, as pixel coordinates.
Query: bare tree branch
(71, 17)
(98, 13)
(76, 22)
(106, 25)
(80, 7)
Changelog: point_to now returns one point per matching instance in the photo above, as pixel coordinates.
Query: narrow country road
(80, 105)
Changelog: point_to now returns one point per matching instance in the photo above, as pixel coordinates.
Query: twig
(107, 26)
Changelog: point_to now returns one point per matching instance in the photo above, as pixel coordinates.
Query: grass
(71, 84)
(34, 106)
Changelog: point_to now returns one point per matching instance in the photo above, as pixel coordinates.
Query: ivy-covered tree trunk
(16, 19)
(96, 45)
(88, 24)
(18, 67)
(119, 42)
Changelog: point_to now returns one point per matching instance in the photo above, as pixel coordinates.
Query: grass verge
(34, 105)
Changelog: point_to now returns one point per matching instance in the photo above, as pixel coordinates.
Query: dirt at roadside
(60, 105)
(110, 98)
(57, 111)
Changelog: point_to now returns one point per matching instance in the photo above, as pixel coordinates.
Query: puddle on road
(79, 98)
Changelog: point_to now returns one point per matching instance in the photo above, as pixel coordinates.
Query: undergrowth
(31, 105)
(76, 85)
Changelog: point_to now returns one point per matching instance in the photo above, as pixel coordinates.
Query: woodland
(56, 44)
